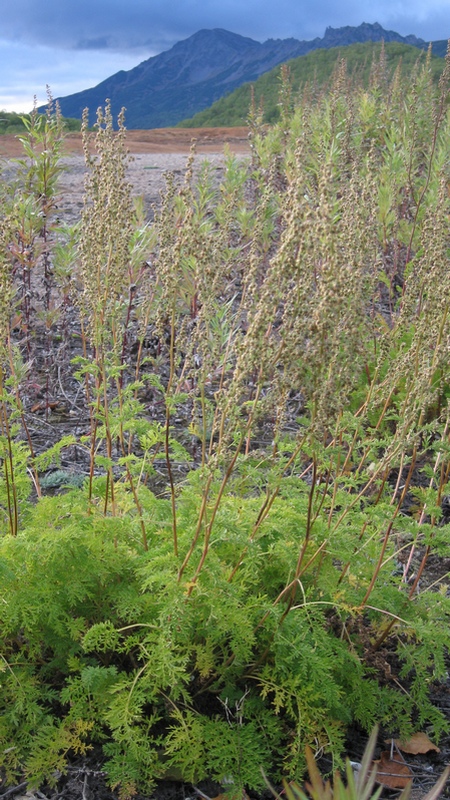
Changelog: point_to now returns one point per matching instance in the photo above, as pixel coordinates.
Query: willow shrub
(290, 324)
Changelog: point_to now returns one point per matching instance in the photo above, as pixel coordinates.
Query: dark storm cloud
(154, 25)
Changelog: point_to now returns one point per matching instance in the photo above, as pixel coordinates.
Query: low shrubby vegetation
(238, 562)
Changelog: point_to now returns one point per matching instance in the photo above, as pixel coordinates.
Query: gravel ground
(145, 173)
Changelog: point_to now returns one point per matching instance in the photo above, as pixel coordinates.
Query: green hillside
(314, 69)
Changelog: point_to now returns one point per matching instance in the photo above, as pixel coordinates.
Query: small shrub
(270, 355)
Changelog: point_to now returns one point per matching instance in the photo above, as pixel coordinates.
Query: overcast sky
(74, 44)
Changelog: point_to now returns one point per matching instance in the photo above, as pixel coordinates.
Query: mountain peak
(214, 34)
(366, 32)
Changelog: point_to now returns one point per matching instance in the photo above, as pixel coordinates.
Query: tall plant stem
(213, 515)
(265, 508)
(119, 394)
(309, 522)
(378, 566)
(225, 479)
(8, 465)
(198, 527)
(24, 423)
(110, 489)
(167, 435)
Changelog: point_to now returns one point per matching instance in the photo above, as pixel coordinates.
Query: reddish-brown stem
(378, 566)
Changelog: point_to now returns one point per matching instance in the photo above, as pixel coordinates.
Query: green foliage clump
(214, 677)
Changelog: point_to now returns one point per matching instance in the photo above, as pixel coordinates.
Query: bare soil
(159, 140)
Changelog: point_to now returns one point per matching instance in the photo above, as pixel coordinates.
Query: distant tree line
(12, 122)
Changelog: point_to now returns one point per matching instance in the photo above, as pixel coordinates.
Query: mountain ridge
(189, 77)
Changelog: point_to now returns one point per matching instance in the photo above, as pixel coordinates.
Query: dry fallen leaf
(417, 743)
(392, 772)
